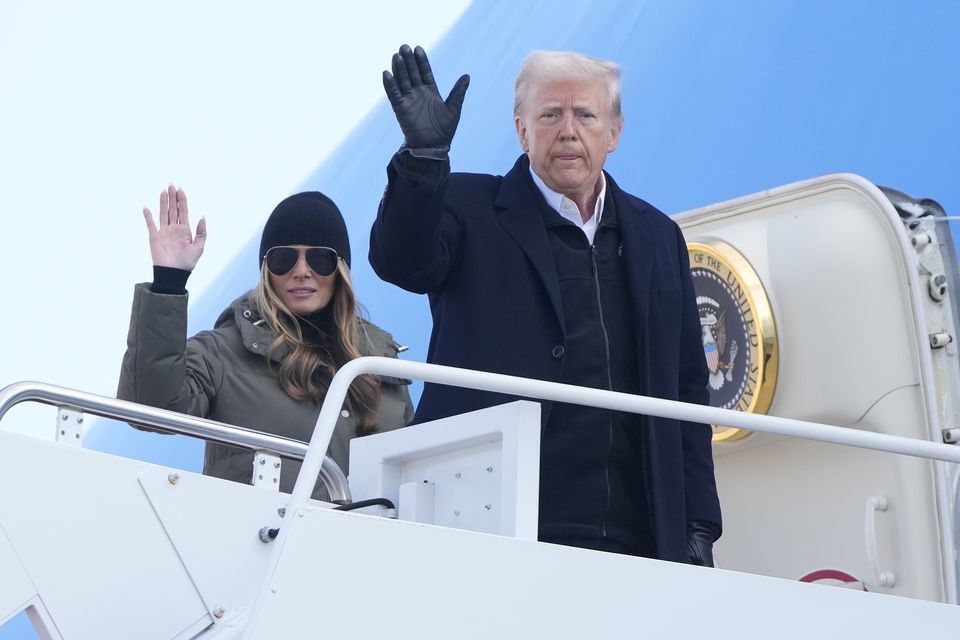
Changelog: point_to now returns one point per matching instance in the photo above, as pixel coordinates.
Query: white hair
(541, 67)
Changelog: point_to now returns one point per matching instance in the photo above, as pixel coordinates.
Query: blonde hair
(304, 373)
(540, 67)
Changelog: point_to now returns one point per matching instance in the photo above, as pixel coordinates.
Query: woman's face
(301, 290)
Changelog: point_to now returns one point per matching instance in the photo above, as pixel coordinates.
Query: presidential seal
(737, 330)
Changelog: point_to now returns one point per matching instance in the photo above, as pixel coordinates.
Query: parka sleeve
(161, 368)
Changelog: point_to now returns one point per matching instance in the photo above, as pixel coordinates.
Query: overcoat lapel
(518, 211)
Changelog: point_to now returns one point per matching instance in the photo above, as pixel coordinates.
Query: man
(553, 272)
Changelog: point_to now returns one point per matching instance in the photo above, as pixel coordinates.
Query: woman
(268, 361)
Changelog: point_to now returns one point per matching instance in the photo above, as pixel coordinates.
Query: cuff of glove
(441, 154)
(169, 280)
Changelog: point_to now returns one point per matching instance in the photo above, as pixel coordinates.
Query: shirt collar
(572, 212)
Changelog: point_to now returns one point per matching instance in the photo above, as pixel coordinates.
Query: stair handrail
(328, 471)
(571, 394)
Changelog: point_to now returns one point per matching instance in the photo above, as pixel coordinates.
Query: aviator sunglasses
(321, 260)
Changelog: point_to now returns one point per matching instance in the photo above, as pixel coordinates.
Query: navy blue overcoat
(478, 247)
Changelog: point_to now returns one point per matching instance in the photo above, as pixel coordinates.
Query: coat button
(558, 351)
(247, 313)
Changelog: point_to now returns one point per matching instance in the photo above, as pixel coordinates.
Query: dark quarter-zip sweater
(592, 482)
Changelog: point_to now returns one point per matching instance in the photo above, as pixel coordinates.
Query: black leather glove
(700, 539)
(427, 121)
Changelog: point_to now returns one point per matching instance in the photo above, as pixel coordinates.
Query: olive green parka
(223, 374)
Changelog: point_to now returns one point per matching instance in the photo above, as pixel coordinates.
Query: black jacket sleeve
(415, 240)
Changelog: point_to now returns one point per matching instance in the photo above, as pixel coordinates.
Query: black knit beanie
(309, 218)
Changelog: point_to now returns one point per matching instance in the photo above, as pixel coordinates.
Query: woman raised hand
(172, 243)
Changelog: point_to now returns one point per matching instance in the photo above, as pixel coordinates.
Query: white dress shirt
(569, 209)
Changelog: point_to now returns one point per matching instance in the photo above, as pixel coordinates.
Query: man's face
(567, 131)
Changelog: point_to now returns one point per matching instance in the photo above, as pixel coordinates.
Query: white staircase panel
(213, 525)
(482, 470)
(90, 543)
(15, 586)
(410, 580)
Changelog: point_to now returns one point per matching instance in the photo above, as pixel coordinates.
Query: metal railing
(172, 422)
(555, 391)
(317, 464)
